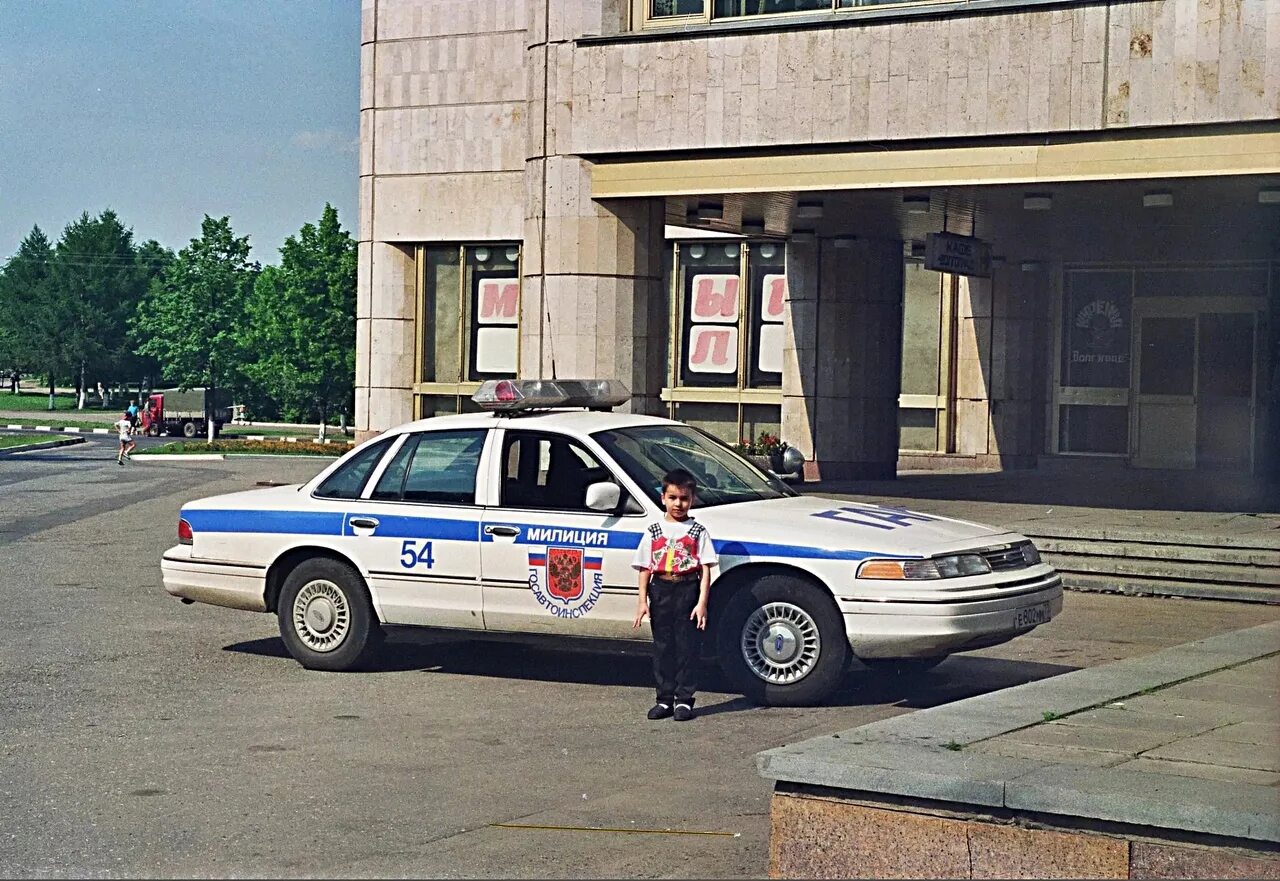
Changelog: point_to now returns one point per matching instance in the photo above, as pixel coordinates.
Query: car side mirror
(603, 496)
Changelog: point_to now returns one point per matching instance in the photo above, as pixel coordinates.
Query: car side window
(348, 481)
(437, 467)
(548, 471)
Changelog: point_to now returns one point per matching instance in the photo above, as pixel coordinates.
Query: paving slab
(1226, 713)
(1121, 718)
(1121, 740)
(1206, 772)
(1236, 810)
(1260, 733)
(1210, 750)
(1045, 753)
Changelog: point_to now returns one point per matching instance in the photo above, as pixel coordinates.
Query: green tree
(35, 320)
(96, 275)
(301, 325)
(143, 370)
(191, 320)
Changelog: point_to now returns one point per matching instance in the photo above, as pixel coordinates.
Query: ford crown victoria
(524, 520)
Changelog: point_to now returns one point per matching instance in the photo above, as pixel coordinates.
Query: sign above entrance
(959, 255)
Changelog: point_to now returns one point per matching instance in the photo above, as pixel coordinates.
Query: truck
(183, 412)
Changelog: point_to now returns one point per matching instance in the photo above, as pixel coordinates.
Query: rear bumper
(219, 584)
(907, 630)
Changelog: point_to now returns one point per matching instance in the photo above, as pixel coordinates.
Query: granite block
(1148, 860)
(1211, 750)
(821, 838)
(1202, 771)
(1013, 852)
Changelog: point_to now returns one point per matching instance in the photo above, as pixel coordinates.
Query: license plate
(1031, 616)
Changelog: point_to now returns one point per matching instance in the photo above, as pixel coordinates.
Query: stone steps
(1166, 565)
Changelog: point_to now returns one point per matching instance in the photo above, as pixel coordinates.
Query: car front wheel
(326, 618)
(782, 642)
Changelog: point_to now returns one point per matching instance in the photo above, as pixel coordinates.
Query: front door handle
(508, 531)
(364, 523)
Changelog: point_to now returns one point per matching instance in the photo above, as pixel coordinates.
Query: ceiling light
(752, 227)
(482, 254)
(697, 252)
(916, 204)
(768, 251)
(1157, 199)
(513, 254)
(809, 210)
(1268, 197)
(1037, 202)
(802, 235)
(1031, 265)
(731, 251)
(710, 211)
(844, 242)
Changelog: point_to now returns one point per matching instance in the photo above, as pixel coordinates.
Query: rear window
(348, 481)
(437, 467)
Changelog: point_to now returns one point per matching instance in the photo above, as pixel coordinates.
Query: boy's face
(677, 500)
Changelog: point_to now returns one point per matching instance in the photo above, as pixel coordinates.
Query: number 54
(414, 554)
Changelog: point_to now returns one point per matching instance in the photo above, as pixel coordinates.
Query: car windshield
(646, 453)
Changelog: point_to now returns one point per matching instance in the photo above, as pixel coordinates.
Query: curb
(922, 755)
(71, 429)
(181, 457)
(42, 445)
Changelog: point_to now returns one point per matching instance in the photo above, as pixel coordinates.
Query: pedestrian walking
(131, 413)
(674, 562)
(124, 427)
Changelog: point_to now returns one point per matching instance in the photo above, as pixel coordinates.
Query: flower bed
(257, 448)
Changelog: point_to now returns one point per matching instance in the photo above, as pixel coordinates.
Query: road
(139, 736)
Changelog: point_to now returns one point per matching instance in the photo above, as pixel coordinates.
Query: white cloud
(330, 139)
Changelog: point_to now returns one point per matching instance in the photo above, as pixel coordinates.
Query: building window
(728, 308)
(1093, 394)
(661, 13)
(928, 339)
(468, 322)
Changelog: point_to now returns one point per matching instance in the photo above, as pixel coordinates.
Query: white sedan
(524, 520)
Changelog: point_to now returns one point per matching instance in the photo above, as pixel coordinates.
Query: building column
(386, 305)
(845, 342)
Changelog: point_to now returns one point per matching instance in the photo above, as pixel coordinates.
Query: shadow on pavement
(956, 678)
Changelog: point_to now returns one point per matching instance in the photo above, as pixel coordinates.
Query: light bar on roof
(509, 395)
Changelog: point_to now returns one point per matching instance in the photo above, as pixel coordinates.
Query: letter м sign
(499, 301)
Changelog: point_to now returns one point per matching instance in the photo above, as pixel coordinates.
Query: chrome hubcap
(780, 643)
(321, 616)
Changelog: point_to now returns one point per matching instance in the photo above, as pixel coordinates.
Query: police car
(524, 520)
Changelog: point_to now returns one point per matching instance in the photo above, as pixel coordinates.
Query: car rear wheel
(902, 666)
(326, 618)
(782, 642)
(188, 429)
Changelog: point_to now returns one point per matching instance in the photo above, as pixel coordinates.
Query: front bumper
(892, 629)
(219, 584)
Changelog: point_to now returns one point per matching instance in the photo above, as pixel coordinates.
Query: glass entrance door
(1195, 391)
(1224, 400)
(1166, 393)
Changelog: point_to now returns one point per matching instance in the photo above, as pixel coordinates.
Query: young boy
(674, 561)
(124, 426)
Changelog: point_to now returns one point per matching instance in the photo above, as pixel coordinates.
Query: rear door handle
(508, 531)
(364, 523)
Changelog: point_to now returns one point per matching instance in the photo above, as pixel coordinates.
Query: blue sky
(167, 110)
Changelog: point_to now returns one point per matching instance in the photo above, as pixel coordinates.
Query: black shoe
(659, 711)
(683, 712)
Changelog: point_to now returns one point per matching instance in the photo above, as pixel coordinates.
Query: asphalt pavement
(139, 736)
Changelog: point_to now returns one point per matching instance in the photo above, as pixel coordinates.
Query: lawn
(12, 441)
(36, 401)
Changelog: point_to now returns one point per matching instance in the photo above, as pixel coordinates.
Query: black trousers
(676, 639)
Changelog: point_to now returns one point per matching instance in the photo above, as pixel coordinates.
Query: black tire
(332, 626)
(797, 612)
(188, 429)
(902, 666)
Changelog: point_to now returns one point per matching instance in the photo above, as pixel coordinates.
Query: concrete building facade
(915, 233)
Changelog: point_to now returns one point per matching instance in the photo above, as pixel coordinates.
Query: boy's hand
(642, 609)
(699, 614)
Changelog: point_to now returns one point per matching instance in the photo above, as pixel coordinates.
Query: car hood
(843, 526)
(272, 498)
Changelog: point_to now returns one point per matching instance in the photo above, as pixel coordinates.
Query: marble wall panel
(429, 208)
(413, 19)
(462, 69)
(450, 139)
(1077, 68)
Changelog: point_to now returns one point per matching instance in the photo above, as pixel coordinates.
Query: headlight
(954, 566)
(1030, 555)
